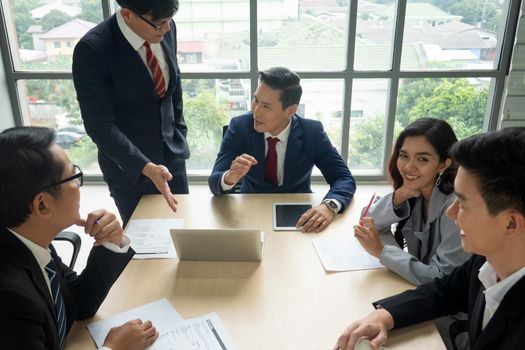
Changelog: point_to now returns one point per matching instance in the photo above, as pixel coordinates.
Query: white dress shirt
(495, 291)
(138, 45)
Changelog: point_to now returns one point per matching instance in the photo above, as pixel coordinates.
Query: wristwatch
(331, 205)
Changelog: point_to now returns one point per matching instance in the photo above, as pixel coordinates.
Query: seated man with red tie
(274, 151)
(40, 297)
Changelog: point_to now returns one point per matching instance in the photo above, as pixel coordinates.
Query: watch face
(331, 205)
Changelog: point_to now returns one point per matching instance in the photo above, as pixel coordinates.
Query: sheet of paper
(151, 239)
(344, 254)
(199, 333)
(160, 313)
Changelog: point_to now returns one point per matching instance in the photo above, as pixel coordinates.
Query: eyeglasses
(155, 26)
(79, 176)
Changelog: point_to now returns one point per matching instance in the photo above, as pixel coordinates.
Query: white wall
(513, 113)
(6, 111)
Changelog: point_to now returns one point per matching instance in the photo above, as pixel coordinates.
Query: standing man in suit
(490, 212)
(130, 94)
(40, 297)
(274, 150)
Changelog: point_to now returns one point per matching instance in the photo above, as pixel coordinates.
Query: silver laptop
(218, 244)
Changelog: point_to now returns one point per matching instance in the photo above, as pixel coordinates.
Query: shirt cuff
(123, 248)
(224, 185)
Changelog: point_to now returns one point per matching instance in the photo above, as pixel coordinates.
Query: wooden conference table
(286, 302)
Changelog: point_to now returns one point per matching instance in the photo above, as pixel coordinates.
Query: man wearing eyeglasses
(130, 94)
(40, 297)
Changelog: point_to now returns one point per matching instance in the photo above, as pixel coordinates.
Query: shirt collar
(133, 38)
(42, 255)
(495, 290)
(283, 135)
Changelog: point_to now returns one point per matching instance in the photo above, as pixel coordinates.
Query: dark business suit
(27, 313)
(125, 117)
(308, 145)
(462, 291)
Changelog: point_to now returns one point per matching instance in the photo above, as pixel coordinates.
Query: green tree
(91, 11)
(205, 119)
(367, 142)
(460, 103)
(23, 20)
(410, 91)
(486, 13)
(53, 19)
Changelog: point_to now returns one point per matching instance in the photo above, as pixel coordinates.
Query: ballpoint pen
(366, 209)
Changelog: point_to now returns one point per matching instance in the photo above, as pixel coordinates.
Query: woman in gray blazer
(423, 178)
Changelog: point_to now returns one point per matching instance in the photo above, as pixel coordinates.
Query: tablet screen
(286, 215)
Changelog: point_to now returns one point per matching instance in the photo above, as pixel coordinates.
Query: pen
(365, 213)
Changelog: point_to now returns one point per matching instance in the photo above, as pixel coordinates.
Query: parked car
(77, 129)
(67, 139)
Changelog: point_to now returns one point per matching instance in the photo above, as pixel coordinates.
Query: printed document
(160, 313)
(344, 254)
(204, 332)
(151, 239)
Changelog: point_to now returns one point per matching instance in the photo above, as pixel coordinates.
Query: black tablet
(286, 215)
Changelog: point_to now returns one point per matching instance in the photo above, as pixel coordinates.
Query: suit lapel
(476, 316)
(257, 145)
(15, 250)
(169, 52)
(294, 150)
(130, 59)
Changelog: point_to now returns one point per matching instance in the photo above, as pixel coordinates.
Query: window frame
(496, 90)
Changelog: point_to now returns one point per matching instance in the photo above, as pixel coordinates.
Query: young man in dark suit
(40, 297)
(274, 151)
(490, 212)
(130, 94)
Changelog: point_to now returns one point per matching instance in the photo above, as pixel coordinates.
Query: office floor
(97, 196)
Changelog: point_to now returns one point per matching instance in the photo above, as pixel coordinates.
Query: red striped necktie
(160, 84)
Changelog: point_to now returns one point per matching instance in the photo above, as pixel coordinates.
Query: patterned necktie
(160, 84)
(270, 168)
(60, 308)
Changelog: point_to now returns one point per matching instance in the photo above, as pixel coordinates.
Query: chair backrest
(75, 240)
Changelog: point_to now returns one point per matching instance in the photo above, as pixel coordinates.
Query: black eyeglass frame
(79, 175)
(155, 26)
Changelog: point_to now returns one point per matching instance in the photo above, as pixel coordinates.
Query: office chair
(237, 187)
(75, 241)
(456, 328)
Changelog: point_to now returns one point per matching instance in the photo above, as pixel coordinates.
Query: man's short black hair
(27, 167)
(283, 79)
(497, 161)
(157, 9)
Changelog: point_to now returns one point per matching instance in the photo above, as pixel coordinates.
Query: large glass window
(451, 34)
(368, 68)
(44, 33)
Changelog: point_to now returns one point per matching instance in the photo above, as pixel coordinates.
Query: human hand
(403, 194)
(315, 219)
(160, 176)
(132, 335)
(375, 327)
(103, 226)
(238, 168)
(368, 236)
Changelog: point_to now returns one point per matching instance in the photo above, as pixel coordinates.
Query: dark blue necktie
(60, 307)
